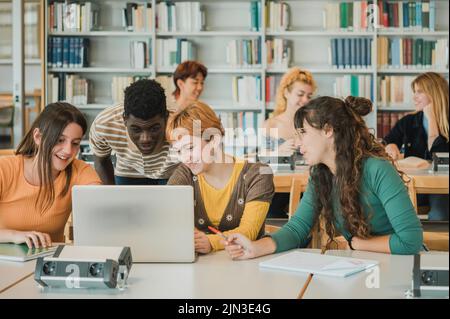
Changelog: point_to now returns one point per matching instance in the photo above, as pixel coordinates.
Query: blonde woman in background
(424, 132)
(295, 90)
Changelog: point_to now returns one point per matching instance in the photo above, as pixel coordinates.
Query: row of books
(31, 30)
(255, 15)
(277, 16)
(119, 84)
(417, 15)
(350, 16)
(180, 16)
(171, 52)
(399, 52)
(278, 52)
(243, 52)
(137, 17)
(360, 15)
(140, 54)
(68, 87)
(238, 125)
(395, 90)
(355, 85)
(68, 52)
(348, 53)
(272, 83)
(246, 90)
(72, 16)
(386, 120)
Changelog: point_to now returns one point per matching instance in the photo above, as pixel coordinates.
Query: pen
(218, 232)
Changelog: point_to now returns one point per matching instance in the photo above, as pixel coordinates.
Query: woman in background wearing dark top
(425, 132)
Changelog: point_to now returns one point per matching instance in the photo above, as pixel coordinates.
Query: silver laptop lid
(157, 222)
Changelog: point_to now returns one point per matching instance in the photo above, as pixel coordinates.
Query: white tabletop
(211, 276)
(390, 280)
(11, 272)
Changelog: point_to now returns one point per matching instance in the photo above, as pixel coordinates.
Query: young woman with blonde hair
(424, 132)
(295, 90)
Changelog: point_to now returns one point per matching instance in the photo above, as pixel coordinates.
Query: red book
(267, 89)
(386, 123)
(394, 119)
(363, 14)
(395, 7)
(380, 124)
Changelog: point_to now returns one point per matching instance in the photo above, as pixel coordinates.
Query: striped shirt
(109, 135)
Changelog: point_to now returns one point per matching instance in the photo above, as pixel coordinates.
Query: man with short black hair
(135, 132)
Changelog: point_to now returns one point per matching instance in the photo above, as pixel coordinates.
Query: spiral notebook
(318, 264)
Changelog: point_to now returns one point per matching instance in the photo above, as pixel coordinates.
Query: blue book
(72, 52)
(84, 55)
(59, 52)
(396, 52)
(363, 52)
(258, 16)
(358, 52)
(369, 52)
(334, 60)
(419, 14)
(65, 63)
(405, 14)
(353, 55)
(340, 53)
(50, 52)
(432, 15)
(347, 60)
(253, 15)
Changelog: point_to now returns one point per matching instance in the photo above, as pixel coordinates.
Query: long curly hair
(353, 144)
(295, 74)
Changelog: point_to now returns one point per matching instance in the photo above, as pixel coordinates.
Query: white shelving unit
(229, 19)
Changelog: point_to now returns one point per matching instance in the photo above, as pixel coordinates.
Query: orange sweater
(18, 198)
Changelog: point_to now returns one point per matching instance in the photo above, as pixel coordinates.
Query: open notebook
(15, 252)
(318, 264)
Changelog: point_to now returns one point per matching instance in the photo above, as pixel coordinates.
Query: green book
(414, 52)
(350, 15)
(419, 51)
(354, 85)
(343, 14)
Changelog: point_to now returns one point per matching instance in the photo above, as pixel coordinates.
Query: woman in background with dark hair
(36, 183)
(189, 78)
(369, 203)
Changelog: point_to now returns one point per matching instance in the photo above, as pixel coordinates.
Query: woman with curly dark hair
(354, 185)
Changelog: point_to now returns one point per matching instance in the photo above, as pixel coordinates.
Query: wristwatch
(350, 243)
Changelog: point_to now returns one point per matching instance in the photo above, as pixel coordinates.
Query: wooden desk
(211, 276)
(425, 181)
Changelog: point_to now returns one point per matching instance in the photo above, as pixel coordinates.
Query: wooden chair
(7, 113)
(433, 240)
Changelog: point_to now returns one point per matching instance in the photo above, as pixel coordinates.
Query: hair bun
(359, 105)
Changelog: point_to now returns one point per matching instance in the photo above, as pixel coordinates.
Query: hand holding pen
(236, 245)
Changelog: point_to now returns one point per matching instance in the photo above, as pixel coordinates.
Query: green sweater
(383, 195)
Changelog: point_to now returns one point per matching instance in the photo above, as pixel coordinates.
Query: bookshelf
(228, 20)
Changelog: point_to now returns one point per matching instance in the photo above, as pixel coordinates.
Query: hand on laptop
(202, 244)
(32, 239)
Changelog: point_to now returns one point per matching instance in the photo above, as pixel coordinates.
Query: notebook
(14, 252)
(318, 264)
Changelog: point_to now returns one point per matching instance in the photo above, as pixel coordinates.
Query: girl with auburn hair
(188, 78)
(230, 195)
(424, 132)
(354, 185)
(36, 183)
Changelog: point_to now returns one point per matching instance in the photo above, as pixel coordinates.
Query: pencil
(218, 232)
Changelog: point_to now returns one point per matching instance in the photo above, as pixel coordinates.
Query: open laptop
(156, 222)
